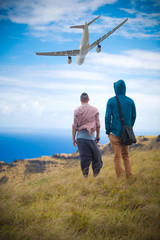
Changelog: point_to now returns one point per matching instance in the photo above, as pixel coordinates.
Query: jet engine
(98, 49)
(69, 60)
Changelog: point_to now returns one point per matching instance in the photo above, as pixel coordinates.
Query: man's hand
(73, 137)
(98, 134)
(97, 139)
(74, 143)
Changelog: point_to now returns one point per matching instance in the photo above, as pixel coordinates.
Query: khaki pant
(120, 150)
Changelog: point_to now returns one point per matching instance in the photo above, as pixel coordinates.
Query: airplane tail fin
(82, 26)
(78, 26)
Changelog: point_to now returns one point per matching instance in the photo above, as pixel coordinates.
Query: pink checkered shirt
(86, 117)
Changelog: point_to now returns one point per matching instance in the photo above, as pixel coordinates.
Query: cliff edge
(29, 168)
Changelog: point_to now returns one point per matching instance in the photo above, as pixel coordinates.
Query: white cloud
(50, 95)
(5, 108)
(148, 112)
(107, 67)
(130, 59)
(32, 12)
(142, 25)
(46, 17)
(129, 10)
(38, 108)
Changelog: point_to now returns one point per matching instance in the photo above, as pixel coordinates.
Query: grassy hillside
(62, 205)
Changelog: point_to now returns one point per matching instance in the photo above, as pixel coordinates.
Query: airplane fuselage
(84, 45)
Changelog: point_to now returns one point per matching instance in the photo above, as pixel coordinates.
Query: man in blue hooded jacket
(113, 126)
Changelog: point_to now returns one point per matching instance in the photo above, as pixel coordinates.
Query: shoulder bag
(127, 135)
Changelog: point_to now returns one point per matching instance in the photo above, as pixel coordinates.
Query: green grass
(65, 206)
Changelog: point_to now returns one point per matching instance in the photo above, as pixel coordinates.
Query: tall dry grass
(65, 206)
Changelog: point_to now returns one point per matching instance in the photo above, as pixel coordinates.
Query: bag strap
(120, 111)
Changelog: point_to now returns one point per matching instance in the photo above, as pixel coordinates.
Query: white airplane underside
(85, 47)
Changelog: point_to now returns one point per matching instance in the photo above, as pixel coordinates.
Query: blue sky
(42, 92)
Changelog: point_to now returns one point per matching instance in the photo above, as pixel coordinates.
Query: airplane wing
(106, 35)
(60, 53)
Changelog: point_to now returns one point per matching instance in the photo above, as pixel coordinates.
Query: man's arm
(97, 134)
(97, 128)
(74, 137)
(108, 118)
(74, 129)
(133, 118)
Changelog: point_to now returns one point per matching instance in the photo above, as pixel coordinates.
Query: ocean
(30, 143)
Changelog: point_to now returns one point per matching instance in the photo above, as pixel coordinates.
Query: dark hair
(84, 97)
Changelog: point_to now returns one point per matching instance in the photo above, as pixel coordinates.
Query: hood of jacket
(120, 87)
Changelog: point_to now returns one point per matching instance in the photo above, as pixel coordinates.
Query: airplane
(85, 47)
